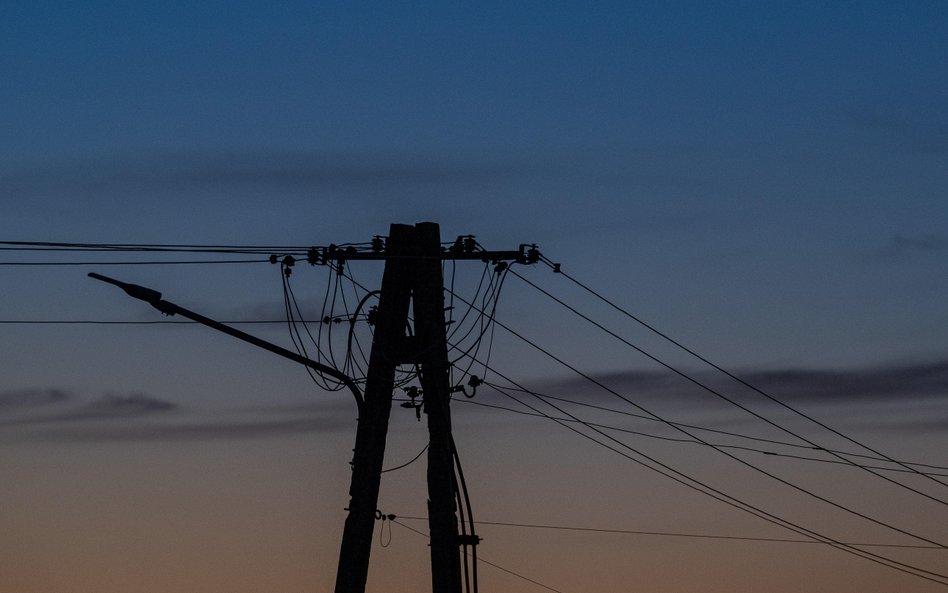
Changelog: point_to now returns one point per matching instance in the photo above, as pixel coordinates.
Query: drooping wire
(667, 438)
(135, 263)
(407, 463)
(485, 561)
(684, 431)
(613, 531)
(291, 307)
(462, 493)
(483, 322)
(749, 437)
(731, 401)
(712, 492)
(131, 322)
(724, 371)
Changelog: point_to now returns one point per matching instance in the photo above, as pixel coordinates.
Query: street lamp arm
(153, 298)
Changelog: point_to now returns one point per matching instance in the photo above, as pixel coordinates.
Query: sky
(764, 182)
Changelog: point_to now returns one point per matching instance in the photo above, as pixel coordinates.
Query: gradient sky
(764, 181)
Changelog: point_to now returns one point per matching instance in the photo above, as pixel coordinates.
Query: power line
(134, 263)
(157, 247)
(670, 439)
(481, 559)
(722, 451)
(129, 322)
(720, 395)
(556, 268)
(748, 437)
(694, 484)
(679, 534)
(699, 486)
(407, 463)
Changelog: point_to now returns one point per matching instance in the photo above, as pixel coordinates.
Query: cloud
(285, 171)
(108, 407)
(138, 417)
(901, 247)
(203, 431)
(883, 382)
(16, 400)
(908, 133)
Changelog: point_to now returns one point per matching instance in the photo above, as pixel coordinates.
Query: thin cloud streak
(138, 417)
(32, 398)
(266, 170)
(901, 247)
(205, 431)
(109, 407)
(883, 382)
(908, 133)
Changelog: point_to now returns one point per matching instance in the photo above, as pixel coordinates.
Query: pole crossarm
(464, 248)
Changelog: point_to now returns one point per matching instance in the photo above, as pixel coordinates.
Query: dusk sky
(764, 182)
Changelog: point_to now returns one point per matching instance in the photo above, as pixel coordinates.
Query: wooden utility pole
(412, 274)
(390, 323)
(413, 257)
(434, 366)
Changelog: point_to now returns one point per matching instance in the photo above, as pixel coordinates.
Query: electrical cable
(407, 463)
(556, 268)
(666, 438)
(289, 300)
(497, 566)
(744, 408)
(699, 486)
(752, 438)
(740, 406)
(681, 534)
(137, 263)
(723, 452)
(463, 493)
(130, 322)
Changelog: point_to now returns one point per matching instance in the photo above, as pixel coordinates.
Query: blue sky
(765, 181)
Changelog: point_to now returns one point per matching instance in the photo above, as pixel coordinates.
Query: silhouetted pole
(412, 275)
(413, 257)
(389, 334)
(433, 358)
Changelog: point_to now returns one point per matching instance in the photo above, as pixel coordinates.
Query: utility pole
(430, 331)
(387, 345)
(412, 273)
(412, 278)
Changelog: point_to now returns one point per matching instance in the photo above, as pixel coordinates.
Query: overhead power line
(481, 559)
(666, 470)
(557, 269)
(201, 262)
(745, 436)
(672, 439)
(671, 473)
(679, 534)
(129, 322)
(684, 431)
(730, 401)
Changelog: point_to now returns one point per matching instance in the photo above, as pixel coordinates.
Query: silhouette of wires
(668, 471)
(609, 427)
(558, 270)
(476, 325)
(482, 560)
(613, 531)
(652, 463)
(732, 402)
